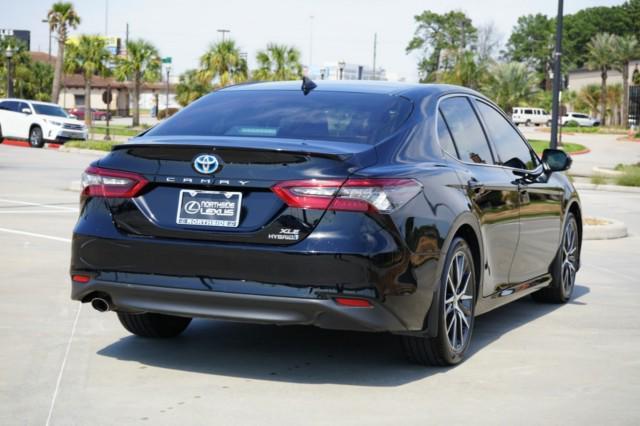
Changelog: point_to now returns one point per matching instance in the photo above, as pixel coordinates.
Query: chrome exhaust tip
(100, 305)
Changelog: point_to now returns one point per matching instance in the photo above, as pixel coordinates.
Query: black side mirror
(556, 160)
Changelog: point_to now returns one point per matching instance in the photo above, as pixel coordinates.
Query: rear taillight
(98, 182)
(357, 194)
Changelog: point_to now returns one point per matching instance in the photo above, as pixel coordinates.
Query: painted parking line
(33, 234)
(29, 203)
(36, 211)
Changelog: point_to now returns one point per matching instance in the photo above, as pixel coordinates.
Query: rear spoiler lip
(337, 150)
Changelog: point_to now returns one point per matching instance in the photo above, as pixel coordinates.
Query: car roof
(29, 101)
(359, 86)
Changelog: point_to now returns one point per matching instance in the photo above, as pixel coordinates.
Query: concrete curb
(606, 172)
(609, 188)
(612, 230)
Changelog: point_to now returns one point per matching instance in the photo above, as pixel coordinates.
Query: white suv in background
(529, 116)
(38, 122)
(583, 120)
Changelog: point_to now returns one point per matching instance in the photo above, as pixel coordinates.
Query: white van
(529, 116)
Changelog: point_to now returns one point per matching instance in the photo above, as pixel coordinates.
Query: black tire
(439, 350)
(36, 138)
(153, 325)
(564, 267)
(1, 137)
(527, 123)
(548, 123)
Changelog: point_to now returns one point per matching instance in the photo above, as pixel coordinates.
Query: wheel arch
(467, 227)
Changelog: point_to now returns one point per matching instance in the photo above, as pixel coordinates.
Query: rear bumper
(324, 313)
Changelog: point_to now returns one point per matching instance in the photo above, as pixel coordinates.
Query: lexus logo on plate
(206, 164)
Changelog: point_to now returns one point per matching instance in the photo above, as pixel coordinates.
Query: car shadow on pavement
(301, 354)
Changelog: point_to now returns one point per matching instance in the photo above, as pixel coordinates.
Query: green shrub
(598, 180)
(92, 144)
(163, 113)
(572, 123)
(630, 177)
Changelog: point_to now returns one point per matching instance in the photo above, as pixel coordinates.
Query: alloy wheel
(569, 259)
(458, 301)
(36, 136)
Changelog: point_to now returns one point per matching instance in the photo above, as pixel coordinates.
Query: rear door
(9, 118)
(539, 200)
(23, 120)
(493, 193)
(235, 202)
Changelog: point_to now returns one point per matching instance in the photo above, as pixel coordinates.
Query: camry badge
(206, 164)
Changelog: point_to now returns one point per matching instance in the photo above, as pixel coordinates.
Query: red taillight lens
(352, 302)
(98, 182)
(356, 194)
(81, 278)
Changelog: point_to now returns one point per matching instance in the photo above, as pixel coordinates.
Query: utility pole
(375, 48)
(106, 18)
(310, 41)
(224, 32)
(46, 21)
(126, 36)
(557, 79)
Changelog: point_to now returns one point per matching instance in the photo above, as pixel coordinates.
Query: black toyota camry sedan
(370, 206)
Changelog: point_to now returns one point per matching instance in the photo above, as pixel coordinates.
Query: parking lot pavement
(64, 364)
(607, 150)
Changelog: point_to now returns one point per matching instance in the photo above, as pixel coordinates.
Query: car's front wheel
(153, 325)
(456, 307)
(564, 268)
(36, 139)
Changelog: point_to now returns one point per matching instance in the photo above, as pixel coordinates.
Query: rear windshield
(51, 110)
(330, 116)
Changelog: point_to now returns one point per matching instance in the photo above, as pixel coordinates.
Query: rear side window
(528, 111)
(9, 106)
(512, 150)
(444, 137)
(328, 116)
(466, 130)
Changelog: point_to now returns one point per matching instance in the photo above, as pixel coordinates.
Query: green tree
(61, 16)
(32, 80)
(469, 71)
(582, 26)
(192, 86)
(278, 62)
(601, 56)
(440, 38)
(88, 57)
(614, 103)
(588, 99)
(626, 50)
(510, 84)
(223, 64)
(140, 64)
(532, 42)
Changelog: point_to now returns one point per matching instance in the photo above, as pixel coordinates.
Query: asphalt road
(63, 364)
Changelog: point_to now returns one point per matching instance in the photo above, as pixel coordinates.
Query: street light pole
(223, 32)
(557, 79)
(341, 66)
(166, 113)
(9, 55)
(46, 21)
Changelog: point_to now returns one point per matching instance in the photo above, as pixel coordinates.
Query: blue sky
(342, 29)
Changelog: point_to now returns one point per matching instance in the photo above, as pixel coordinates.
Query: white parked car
(38, 122)
(583, 120)
(530, 116)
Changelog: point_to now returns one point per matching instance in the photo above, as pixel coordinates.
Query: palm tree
(614, 101)
(192, 86)
(62, 16)
(588, 99)
(224, 63)
(141, 64)
(90, 57)
(627, 49)
(278, 62)
(510, 84)
(601, 55)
